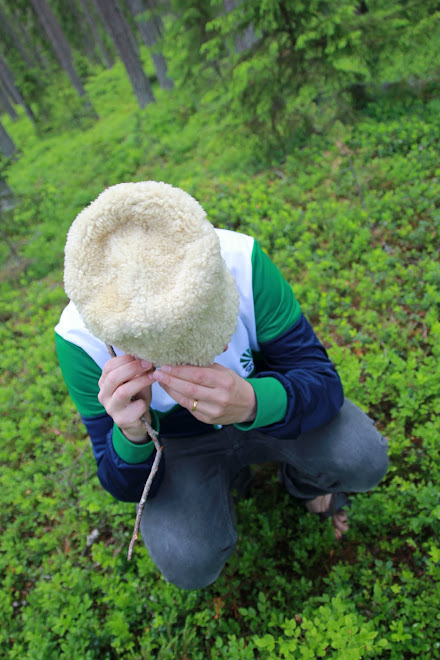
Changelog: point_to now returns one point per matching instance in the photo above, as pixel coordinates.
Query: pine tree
(7, 29)
(6, 104)
(96, 36)
(151, 32)
(60, 45)
(9, 85)
(124, 42)
(7, 146)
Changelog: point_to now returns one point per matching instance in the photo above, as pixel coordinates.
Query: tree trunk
(6, 104)
(15, 40)
(58, 41)
(37, 53)
(86, 38)
(151, 31)
(161, 68)
(245, 39)
(126, 27)
(92, 25)
(8, 81)
(123, 40)
(7, 146)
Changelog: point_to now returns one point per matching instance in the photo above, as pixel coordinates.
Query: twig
(94, 535)
(143, 499)
(153, 435)
(345, 151)
(358, 185)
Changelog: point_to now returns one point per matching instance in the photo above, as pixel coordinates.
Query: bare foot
(340, 520)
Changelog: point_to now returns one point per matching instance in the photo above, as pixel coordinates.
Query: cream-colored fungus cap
(144, 269)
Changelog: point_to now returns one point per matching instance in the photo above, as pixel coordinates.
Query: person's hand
(125, 393)
(214, 395)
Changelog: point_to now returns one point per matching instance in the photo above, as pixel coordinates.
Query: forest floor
(352, 220)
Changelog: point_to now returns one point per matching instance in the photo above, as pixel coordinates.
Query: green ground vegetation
(351, 216)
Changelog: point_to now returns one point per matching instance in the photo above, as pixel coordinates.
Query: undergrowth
(352, 220)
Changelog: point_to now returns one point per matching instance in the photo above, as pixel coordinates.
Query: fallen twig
(153, 435)
(345, 151)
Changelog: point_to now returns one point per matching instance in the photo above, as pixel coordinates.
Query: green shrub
(352, 220)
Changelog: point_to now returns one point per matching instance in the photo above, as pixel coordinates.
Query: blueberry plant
(352, 218)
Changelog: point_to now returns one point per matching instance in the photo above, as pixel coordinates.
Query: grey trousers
(188, 527)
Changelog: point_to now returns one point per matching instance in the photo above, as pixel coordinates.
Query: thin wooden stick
(143, 499)
(153, 435)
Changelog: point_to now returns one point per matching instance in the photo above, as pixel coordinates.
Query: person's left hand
(222, 396)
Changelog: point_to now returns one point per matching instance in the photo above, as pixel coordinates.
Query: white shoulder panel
(71, 328)
(237, 250)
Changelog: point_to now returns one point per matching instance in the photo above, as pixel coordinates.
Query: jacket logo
(247, 361)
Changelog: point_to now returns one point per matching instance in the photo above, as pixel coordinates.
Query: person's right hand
(125, 393)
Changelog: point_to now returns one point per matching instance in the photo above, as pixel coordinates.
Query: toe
(340, 524)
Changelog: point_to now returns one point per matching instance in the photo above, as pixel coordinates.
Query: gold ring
(194, 405)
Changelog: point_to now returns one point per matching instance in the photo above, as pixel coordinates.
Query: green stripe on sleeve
(271, 403)
(131, 452)
(81, 374)
(276, 308)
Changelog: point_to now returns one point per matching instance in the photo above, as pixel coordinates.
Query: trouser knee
(365, 462)
(347, 454)
(369, 469)
(191, 567)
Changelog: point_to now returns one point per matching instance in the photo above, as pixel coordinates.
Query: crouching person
(187, 307)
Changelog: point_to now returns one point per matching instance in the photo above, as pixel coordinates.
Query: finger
(124, 394)
(205, 411)
(145, 393)
(130, 416)
(210, 385)
(204, 376)
(114, 363)
(110, 381)
(183, 388)
(121, 360)
(181, 399)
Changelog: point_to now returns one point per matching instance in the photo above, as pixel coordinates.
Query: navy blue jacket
(296, 358)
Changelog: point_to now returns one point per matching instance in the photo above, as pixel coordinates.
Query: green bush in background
(306, 64)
